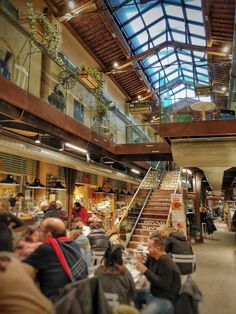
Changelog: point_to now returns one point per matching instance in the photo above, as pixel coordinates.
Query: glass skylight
(156, 22)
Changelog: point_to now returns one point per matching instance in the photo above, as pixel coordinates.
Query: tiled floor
(216, 272)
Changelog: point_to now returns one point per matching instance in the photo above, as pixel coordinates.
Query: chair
(97, 257)
(187, 259)
(112, 299)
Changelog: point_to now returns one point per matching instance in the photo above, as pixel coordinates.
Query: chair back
(187, 259)
(97, 257)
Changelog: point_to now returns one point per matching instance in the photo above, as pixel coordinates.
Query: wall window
(78, 111)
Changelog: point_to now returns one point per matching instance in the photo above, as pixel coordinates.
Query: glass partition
(137, 203)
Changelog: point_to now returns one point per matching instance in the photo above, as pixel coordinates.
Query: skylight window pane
(194, 15)
(196, 3)
(176, 25)
(173, 76)
(125, 13)
(198, 41)
(188, 79)
(184, 58)
(144, 48)
(136, 25)
(178, 37)
(174, 10)
(142, 38)
(168, 60)
(159, 40)
(202, 70)
(153, 15)
(196, 29)
(199, 54)
(169, 70)
(178, 88)
(157, 28)
(151, 60)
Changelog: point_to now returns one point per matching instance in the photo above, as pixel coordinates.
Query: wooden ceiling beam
(113, 28)
(145, 54)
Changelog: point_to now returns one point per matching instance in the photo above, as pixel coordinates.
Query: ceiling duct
(213, 156)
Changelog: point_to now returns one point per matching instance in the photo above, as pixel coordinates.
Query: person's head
(78, 223)
(58, 204)
(52, 205)
(19, 196)
(52, 228)
(113, 256)
(156, 245)
(43, 206)
(74, 234)
(31, 234)
(96, 225)
(77, 206)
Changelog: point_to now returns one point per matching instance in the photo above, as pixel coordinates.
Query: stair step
(154, 215)
(142, 232)
(134, 244)
(150, 221)
(157, 208)
(140, 238)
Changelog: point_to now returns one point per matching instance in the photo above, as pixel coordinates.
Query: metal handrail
(132, 200)
(170, 211)
(141, 211)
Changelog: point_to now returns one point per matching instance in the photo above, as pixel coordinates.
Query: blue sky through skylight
(154, 23)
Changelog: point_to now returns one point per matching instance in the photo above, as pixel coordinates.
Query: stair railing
(168, 221)
(137, 220)
(129, 207)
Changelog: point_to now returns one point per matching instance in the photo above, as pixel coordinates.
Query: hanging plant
(98, 77)
(45, 33)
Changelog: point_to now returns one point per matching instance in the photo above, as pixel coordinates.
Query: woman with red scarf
(79, 211)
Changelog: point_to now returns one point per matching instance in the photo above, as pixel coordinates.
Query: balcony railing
(34, 70)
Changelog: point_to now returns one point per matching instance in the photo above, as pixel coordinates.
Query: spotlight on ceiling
(135, 171)
(38, 138)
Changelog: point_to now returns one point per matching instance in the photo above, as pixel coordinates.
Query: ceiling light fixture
(71, 5)
(115, 64)
(226, 49)
(109, 162)
(135, 171)
(61, 148)
(38, 138)
(81, 150)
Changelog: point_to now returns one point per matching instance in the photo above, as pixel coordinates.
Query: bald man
(51, 271)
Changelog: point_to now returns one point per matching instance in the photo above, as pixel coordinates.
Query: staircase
(155, 213)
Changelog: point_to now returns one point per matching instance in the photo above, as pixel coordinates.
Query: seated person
(115, 276)
(164, 277)
(85, 248)
(98, 238)
(18, 292)
(80, 211)
(58, 261)
(29, 243)
(78, 224)
(177, 243)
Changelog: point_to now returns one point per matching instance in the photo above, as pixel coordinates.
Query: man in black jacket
(177, 243)
(164, 277)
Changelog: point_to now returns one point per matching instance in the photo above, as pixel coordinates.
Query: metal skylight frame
(183, 21)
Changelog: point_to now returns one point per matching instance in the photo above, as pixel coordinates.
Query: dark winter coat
(188, 299)
(177, 243)
(210, 227)
(6, 237)
(98, 239)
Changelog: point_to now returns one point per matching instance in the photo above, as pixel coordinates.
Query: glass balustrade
(129, 219)
(31, 68)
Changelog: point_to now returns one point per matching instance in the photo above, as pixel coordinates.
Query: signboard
(178, 215)
(140, 108)
(203, 90)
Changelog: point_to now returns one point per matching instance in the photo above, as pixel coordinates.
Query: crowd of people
(54, 257)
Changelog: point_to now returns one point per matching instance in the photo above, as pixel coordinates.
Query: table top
(203, 106)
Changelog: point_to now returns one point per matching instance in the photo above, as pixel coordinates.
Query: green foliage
(98, 77)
